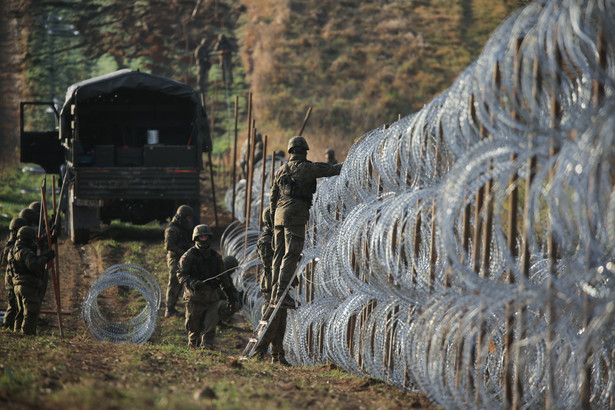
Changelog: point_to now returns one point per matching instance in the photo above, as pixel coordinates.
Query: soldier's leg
(20, 310)
(29, 298)
(278, 254)
(294, 237)
(277, 340)
(194, 322)
(210, 321)
(11, 309)
(174, 288)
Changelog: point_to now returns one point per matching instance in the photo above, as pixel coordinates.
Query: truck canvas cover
(108, 84)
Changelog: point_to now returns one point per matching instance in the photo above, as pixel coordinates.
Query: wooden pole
(234, 181)
(56, 285)
(305, 120)
(260, 215)
(248, 137)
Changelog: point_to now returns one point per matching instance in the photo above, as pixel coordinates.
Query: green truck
(130, 146)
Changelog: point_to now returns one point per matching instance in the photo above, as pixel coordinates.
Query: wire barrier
(468, 249)
(136, 330)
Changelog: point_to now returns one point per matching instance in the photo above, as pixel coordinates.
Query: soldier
(204, 64)
(177, 240)
(274, 336)
(258, 154)
(36, 207)
(224, 312)
(30, 216)
(290, 201)
(201, 272)
(224, 48)
(330, 157)
(11, 310)
(27, 270)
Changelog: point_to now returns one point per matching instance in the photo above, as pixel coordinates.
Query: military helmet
(230, 262)
(26, 233)
(330, 152)
(184, 211)
(200, 230)
(36, 206)
(258, 137)
(17, 223)
(29, 215)
(297, 142)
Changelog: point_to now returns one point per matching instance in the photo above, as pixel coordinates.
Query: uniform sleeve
(34, 263)
(322, 169)
(171, 238)
(185, 266)
(274, 196)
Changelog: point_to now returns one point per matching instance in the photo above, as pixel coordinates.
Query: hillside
(358, 64)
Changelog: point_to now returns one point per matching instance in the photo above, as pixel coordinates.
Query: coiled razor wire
(468, 249)
(136, 330)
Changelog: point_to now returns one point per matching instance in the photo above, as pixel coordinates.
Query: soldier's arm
(34, 263)
(226, 283)
(171, 237)
(273, 197)
(183, 274)
(322, 169)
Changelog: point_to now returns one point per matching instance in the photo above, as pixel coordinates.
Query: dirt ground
(77, 371)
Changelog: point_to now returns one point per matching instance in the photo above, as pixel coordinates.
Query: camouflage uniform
(290, 202)
(201, 55)
(274, 335)
(330, 157)
(176, 241)
(11, 309)
(224, 48)
(199, 272)
(258, 154)
(27, 271)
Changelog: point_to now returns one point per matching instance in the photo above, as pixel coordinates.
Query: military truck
(130, 144)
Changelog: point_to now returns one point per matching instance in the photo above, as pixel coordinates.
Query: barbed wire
(467, 250)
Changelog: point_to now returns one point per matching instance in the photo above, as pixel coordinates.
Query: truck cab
(131, 144)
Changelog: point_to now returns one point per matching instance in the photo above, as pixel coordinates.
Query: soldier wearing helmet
(258, 154)
(330, 157)
(27, 270)
(290, 201)
(31, 216)
(201, 272)
(177, 240)
(11, 310)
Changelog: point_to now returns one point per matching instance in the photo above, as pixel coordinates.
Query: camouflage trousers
(11, 309)
(288, 241)
(174, 288)
(274, 335)
(202, 318)
(29, 308)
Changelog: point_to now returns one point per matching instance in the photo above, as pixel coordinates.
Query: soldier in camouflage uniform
(201, 272)
(11, 310)
(27, 271)
(274, 335)
(31, 216)
(177, 240)
(290, 201)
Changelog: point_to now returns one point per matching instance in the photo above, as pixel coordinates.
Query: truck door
(39, 138)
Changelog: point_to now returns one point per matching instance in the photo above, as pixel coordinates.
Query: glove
(49, 254)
